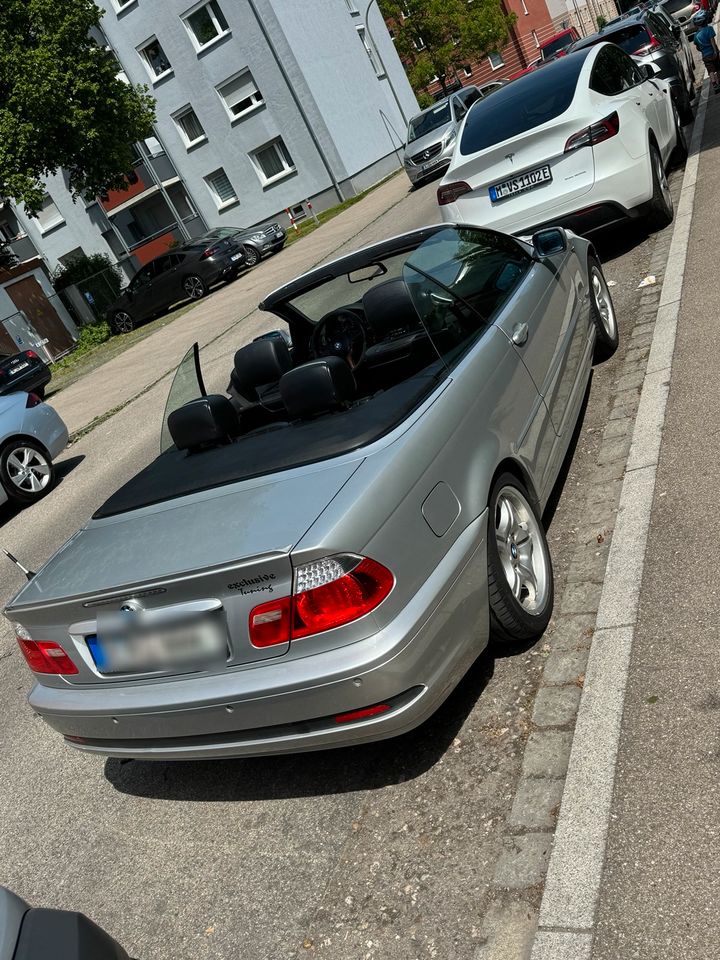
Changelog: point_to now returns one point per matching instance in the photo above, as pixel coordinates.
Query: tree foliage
(437, 37)
(61, 102)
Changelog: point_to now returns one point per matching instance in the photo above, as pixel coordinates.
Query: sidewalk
(125, 376)
(661, 883)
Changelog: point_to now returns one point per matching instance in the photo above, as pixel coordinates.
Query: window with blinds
(240, 94)
(221, 188)
(189, 126)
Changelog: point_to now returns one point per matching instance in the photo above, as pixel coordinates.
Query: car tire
(660, 210)
(39, 392)
(232, 276)
(680, 153)
(26, 471)
(122, 322)
(194, 287)
(252, 257)
(602, 311)
(684, 107)
(520, 574)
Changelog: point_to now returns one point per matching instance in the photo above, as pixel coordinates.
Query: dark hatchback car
(185, 273)
(23, 371)
(649, 39)
(257, 242)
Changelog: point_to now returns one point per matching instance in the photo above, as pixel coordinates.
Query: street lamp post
(382, 65)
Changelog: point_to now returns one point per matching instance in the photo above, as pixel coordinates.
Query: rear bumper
(286, 706)
(28, 381)
(590, 219)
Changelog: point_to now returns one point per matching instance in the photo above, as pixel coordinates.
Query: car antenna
(28, 573)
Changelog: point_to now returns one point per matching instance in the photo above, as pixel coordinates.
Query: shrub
(425, 100)
(601, 21)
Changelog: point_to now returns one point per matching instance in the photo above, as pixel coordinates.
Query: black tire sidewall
(659, 216)
(203, 286)
(252, 256)
(114, 325)
(14, 494)
(605, 345)
(508, 619)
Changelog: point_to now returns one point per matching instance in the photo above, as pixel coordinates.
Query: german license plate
(432, 163)
(524, 181)
(20, 366)
(185, 645)
(236, 256)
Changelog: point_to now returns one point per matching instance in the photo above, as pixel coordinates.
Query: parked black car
(257, 242)
(185, 273)
(649, 39)
(23, 371)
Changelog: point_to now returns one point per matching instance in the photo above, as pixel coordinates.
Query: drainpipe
(281, 67)
(406, 119)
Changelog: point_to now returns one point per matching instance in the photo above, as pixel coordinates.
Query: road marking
(572, 888)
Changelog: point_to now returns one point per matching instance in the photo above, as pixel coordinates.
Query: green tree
(436, 37)
(62, 104)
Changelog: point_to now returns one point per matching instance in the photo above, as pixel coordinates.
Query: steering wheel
(340, 333)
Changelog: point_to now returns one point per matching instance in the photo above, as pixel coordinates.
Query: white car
(582, 142)
(31, 435)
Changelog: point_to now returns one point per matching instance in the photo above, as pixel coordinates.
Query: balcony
(142, 182)
(23, 248)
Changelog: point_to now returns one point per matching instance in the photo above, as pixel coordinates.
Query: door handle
(520, 334)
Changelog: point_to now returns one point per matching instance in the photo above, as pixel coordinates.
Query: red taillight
(31, 354)
(32, 400)
(44, 656)
(595, 133)
(363, 714)
(210, 252)
(348, 588)
(452, 191)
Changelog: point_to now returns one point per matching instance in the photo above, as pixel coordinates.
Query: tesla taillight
(595, 133)
(327, 593)
(44, 656)
(32, 401)
(452, 191)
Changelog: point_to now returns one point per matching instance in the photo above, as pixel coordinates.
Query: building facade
(261, 106)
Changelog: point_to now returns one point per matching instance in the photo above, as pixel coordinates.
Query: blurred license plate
(236, 256)
(194, 644)
(20, 366)
(525, 181)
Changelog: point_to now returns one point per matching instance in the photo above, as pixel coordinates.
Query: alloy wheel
(604, 304)
(28, 469)
(123, 322)
(522, 551)
(662, 180)
(194, 287)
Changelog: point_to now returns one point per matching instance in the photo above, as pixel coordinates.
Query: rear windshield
(425, 123)
(559, 43)
(630, 39)
(673, 6)
(522, 105)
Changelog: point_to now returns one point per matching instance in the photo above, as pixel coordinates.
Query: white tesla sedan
(583, 142)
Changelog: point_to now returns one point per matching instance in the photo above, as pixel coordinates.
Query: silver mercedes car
(316, 559)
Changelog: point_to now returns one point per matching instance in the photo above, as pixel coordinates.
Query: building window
(221, 189)
(496, 60)
(121, 4)
(419, 43)
(206, 24)
(49, 216)
(240, 94)
(351, 6)
(189, 126)
(370, 50)
(67, 258)
(7, 233)
(535, 38)
(154, 58)
(467, 70)
(272, 162)
(524, 8)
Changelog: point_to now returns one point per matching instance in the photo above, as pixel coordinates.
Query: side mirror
(549, 242)
(647, 71)
(676, 30)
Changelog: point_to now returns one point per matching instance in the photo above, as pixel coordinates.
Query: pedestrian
(705, 42)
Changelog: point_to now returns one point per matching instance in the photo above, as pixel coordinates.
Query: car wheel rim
(194, 288)
(123, 322)
(251, 257)
(28, 469)
(662, 180)
(522, 550)
(604, 304)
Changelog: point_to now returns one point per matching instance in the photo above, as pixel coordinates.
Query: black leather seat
(254, 380)
(206, 422)
(402, 347)
(317, 387)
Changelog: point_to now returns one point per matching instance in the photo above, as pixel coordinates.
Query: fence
(88, 300)
(45, 327)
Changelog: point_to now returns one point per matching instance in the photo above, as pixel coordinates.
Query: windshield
(426, 122)
(522, 105)
(552, 47)
(673, 6)
(631, 39)
(187, 385)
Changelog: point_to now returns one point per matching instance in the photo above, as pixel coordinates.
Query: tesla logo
(509, 156)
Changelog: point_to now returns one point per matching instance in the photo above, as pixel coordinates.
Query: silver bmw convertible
(316, 559)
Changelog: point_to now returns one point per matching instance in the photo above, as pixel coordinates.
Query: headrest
(204, 422)
(389, 305)
(317, 387)
(262, 362)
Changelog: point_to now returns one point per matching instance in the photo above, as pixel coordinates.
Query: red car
(555, 46)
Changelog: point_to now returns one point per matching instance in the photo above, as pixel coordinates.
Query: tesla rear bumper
(287, 706)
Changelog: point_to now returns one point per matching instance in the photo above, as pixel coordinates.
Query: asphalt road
(382, 851)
